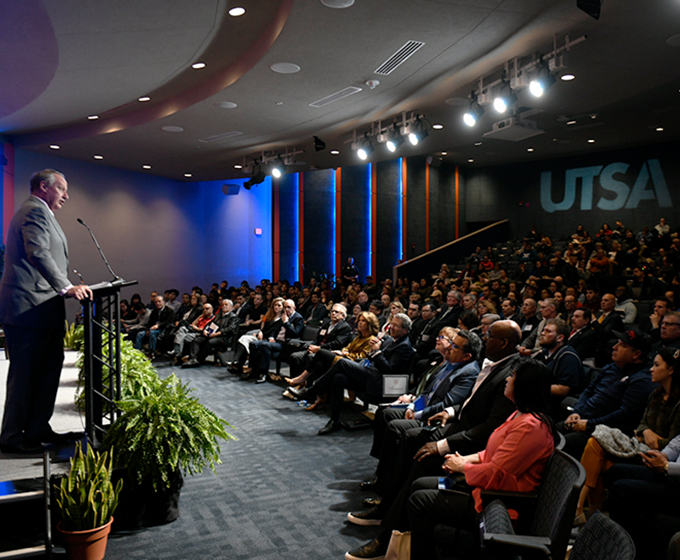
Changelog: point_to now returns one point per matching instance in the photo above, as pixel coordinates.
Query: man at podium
(32, 312)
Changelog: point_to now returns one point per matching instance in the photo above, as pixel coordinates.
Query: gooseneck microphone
(116, 278)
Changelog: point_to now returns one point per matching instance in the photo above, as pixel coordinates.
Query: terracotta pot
(86, 545)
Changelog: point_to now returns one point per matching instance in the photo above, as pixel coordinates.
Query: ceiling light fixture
(419, 132)
(279, 168)
(335, 152)
(198, 65)
(257, 177)
(92, 117)
(237, 12)
(437, 126)
(238, 166)
(145, 98)
(591, 141)
(505, 99)
(543, 81)
(567, 77)
(366, 149)
(146, 167)
(395, 141)
(54, 146)
(97, 156)
(474, 112)
(659, 129)
(188, 175)
(569, 123)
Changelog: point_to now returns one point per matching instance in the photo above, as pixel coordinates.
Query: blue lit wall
(289, 218)
(356, 217)
(319, 226)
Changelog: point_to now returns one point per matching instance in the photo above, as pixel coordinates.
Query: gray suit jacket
(36, 269)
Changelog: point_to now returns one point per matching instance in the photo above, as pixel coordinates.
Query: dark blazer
(316, 315)
(427, 338)
(338, 338)
(36, 269)
(585, 342)
(453, 390)
(294, 326)
(605, 332)
(487, 409)
(394, 356)
(416, 328)
(228, 325)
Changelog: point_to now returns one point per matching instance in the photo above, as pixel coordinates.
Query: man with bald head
(464, 429)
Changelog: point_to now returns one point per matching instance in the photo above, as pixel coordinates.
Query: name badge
(323, 332)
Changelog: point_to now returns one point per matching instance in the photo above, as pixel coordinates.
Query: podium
(102, 358)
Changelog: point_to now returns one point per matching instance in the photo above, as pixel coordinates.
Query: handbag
(616, 443)
(399, 547)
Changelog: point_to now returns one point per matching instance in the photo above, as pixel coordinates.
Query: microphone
(79, 276)
(116, 278)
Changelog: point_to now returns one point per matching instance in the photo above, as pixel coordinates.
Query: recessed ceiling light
(444, 153)
(335, 152)
(146, 167)
(237, 12)
(237, 166)
(471, 160)
(567, 77)
(659, 128)
(279, 103)
(591, 141)
(198, 65)
(54, 146)
(92, 117)
(187, 175)
(226, 105)
(337, 4)
(284, 68)
(437, 126)
(530, 149)
(478, 143)
(97, 156)
(170, 128)
(569, 123)
(145, 98)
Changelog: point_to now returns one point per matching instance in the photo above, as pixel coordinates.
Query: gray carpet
(281, 492)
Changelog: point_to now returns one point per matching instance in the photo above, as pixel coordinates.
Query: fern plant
(86, 497)
(74, 337)
(165, 430)
(138, 376)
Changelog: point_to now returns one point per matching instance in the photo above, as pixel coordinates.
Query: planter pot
(139, 505)
(86, 545)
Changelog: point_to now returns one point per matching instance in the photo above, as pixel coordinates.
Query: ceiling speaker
(590, 7)
(230, 189)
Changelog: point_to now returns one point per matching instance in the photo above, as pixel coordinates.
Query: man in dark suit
(583, 338)
(334, 334)
(217, 335)
(316, 312)
(261, 350)
(389, 356)
(606, 323)
(465, 429)
(32, 312)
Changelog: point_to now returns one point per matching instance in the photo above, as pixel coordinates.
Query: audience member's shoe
(274, 377)
(191, 363)
(370, 502)
(261, 378)
(368, 484)
(370, 516)
(580, 520)
(235, 368)
(178, 361)
(289, 380)
(318, 404)
(23, 449)
(373, 549)
(331, 426)
(299, 394)
(287, 394)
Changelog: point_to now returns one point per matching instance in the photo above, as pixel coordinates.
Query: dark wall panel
(637, 186)
(289, 227)
(415, 210)
(355, 212)
(319, 210)
(388, 244)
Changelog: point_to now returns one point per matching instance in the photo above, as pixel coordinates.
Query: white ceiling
(63, 60)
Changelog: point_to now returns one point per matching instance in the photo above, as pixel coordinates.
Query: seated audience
(583, 338)
(215, 336)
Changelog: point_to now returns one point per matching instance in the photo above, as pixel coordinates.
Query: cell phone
(445, 483)
(432, 427)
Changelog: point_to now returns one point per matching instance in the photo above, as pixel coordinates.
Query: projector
(513, 129)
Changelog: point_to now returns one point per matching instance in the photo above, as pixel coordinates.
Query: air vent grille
(220, 137)
(336, 96)
(399, 57)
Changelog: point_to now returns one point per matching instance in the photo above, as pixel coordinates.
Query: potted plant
(157, 438)
(86, 499)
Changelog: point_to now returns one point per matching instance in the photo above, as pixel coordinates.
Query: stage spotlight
(505, 99)
(319, 144)
(395, 142)
(473, 114)
(419, 132)
(257, 177)
(542, 82)
(365, 150)
(279, 168)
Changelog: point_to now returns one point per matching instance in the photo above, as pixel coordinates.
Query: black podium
(102, 357)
